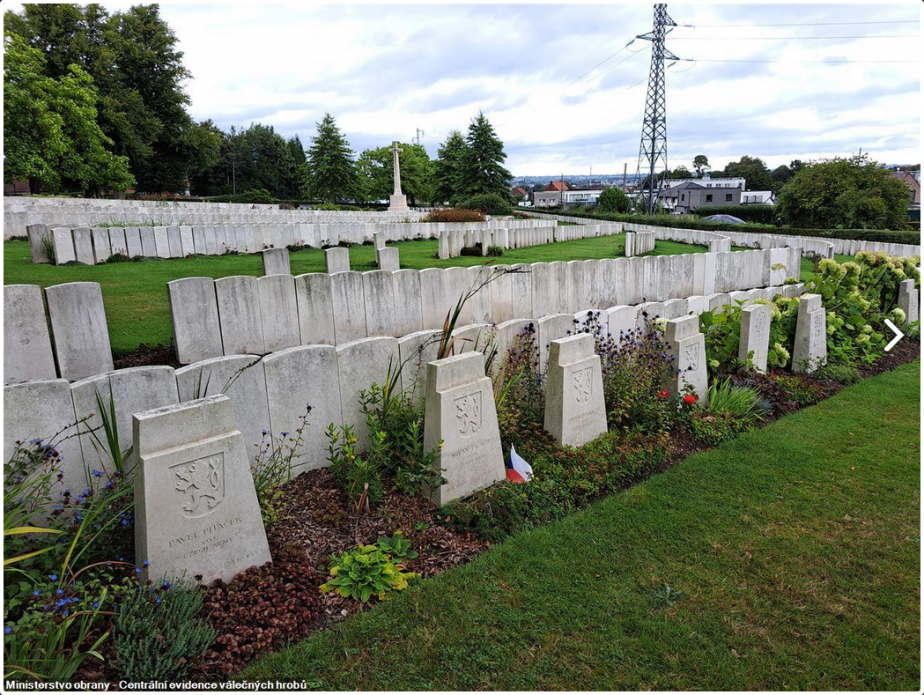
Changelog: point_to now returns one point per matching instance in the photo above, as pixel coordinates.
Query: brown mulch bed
(145, 356)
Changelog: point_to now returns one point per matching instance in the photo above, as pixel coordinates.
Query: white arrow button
(898, 335)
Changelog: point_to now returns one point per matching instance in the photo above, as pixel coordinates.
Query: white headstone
(239, 315)
(296, 378)
(78, 324)
(196, 509)
(39, 239)
(279, 312)
(388, 259)
(574, 409)
(755, 335)
(63, 243)
(909, 301)
(26, 342)
(83, 245)
(315, 309)
(338, 259)
(349, 306)
(276, 262)
(361, 363)
(810, 349)
(460, 412)
(194, 313)
(688, 346)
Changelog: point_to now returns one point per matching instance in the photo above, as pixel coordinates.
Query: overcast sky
(385, 70)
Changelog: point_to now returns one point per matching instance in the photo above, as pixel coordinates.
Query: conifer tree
(483, 164)
(331, 169)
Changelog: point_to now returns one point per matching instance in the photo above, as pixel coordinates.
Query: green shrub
(119, 258)
(259, 196)
(845, 374)
(157, 632)
(738, 402)
(722, 331)
(398, 547)
(489, 204)
(758, 214)
(364, 572)
(495, 250)
(614, 200)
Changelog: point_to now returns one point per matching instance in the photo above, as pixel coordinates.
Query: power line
(600, 63)
(616, 65)
(799, 38)
(810, 24)
(797, 62)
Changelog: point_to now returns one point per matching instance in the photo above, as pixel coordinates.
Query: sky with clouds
(385, 70)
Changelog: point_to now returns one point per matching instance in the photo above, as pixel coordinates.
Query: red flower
(663, 395)
(689, 399)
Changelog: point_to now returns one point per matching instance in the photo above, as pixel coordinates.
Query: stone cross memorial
(398, 201)
(688, 346)
(460, 412)
(196, 507)
(810, 350)
(574, 410)
(755, 335)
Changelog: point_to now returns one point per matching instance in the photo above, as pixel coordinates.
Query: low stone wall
(258, 315)
(272, 393)
(547, 232)
(94, 245)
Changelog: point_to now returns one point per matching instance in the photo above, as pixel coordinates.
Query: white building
(709, 182)
(758, 198)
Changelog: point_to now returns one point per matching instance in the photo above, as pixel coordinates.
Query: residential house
(914, 186)
(692, 195)
(552, 195)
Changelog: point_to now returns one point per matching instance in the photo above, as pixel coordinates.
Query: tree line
(94, 103)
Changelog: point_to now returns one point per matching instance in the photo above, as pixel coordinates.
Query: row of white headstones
(197, 513)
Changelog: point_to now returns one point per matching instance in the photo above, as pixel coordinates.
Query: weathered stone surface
(196, 509)
(460, 412)
(379, 295)
(102, 249)
(338, 260)
(194, 313)
(909, 301)
(161, 242)
(315, 309)
(174, 242)
(78, 324)
(755, 335)
(688, 346)
(239, 315)
(279, 312)
(276, 262)
(416, 350)
(148, 243)
(187, 243)
(620, 322)
(434, 303)
(26, 341)
(474, 336)
(388, 259)
(134, 390)
(290, 393)
(44, 410)
(408, 317)
(810, 349)
(551, 328)
(349, 306)
(361, 363)
(83, 245)
(117, 242)
(574, 409)
(133, 242)
(240, 378)
(39, 239)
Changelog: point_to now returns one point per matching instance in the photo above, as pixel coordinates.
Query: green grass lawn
(795, 551)
(135, 294)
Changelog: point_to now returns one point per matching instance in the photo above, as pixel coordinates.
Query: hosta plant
(366, 571)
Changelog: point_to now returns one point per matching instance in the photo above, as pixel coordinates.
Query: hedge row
(690, 222)
(759, 214)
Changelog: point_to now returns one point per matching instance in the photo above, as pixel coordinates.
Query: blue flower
(54, 577)
(36, 593)
(158, 599)
(284, 434)
(96, 473)
(96, 604)
(145, 563)
(137, 570)
(7, 630)
(59, 592)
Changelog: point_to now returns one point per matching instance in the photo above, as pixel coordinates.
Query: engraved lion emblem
(468, 414)
(582, 381)
(202, 479)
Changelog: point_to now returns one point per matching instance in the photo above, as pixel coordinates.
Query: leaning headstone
(196, 509)
(26, 342)
(755, 335)
(574, 409)
(810, 350)
(460, 413)
(194, 313)
(908, 301)
(39, 240)
(688, 346)
(78, 325)
(276, 262)
(338, 260)
(102, 247)
(41, 410)
(388, 259)
(83, 245)
(62, 242)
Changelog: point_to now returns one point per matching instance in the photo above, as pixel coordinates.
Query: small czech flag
(518, 471)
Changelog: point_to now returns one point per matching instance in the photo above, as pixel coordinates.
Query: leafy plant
(157, 632)
(359, 475)
(364, 572)
(398, 547)
(722, 332)
(734, 401)
(272, 468)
